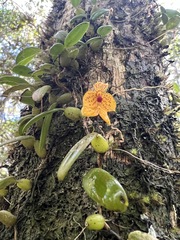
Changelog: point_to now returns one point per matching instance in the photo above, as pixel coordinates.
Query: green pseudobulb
(100, 144)
(105, 190)
(95, 222)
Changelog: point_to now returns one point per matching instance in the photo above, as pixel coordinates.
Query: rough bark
(131, 62)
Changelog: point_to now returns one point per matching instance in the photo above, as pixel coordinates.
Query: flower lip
(99, 99)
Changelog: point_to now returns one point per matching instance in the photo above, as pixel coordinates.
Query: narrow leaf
(78, 17)
(26, 55)
(16, 139)
(45, 128)
(73, 154)
(26, 98)
(11, 80)
(95, 15)
(13, 89)
(38, 117)
(5, 182)
(22, 70)
(46, 67)
(40, 92)
(76, 34)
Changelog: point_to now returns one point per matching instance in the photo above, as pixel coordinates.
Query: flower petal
(90, 105)
(103, 114)
(100, 86)
(108, 103)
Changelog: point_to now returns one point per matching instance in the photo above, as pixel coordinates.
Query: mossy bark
(145, 159)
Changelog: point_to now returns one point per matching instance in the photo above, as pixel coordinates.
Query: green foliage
(27, 55)
(75, 3)
(39, 93)
(13, 81)
(39, 117)
(98, 13)
(56, 49)
(22, 70)
(73, 155)
(16, 139)
(176, 88)
(5, 182)
(26, 97)
(170, 18)
(104, 30)
(45, 128)
(76, 34)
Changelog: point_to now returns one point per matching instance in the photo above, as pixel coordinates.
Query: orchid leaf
(27, 55)
(73, 154)
(39, 93)
(76, 34)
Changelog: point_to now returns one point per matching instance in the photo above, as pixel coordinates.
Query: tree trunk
(145, 157)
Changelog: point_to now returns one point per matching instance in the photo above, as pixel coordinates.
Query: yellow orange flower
(98, 102)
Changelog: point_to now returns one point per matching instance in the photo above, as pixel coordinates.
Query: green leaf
(163, 10)
(39, 117)
(26, 98)
(45, 128)
(23, 121)
(104, 30)
(93, 40)
(79, 11)
(16, 139)
(176, 88)
(172, 13)
(95, 43)
(164, 18)
(13, 89)
(5, 182)
(173, 23)
(76, 34)
(27, 55)
(38, 73)
(13, 81)
(39, 93)
(56, 49)
(46, 67)
(73, 53)
(73, 154)
(98, 13)
(75, 3)
(61, 35)
(78, 17)
(22, 70)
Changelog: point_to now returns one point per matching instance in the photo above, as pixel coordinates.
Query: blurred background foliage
(21, 25)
